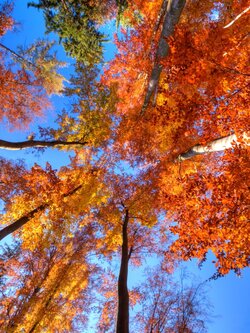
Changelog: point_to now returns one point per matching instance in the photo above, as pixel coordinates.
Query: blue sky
(230, 296)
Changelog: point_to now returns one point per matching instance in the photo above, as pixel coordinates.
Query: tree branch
(130, 252)
(236, 18)
(37, 144)
(18, 56)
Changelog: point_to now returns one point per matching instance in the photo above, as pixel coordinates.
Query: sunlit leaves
(211, 214)
(128, 169)
(47, 288)
(6, 21)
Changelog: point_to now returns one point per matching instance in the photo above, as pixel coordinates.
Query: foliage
(26, 78)
(46, 287)
(92, 114)
(6, 21)
(75, 24)
(202, 94)
(45, 65)
(126, 192)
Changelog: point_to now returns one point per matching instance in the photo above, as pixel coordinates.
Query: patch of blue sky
(214, 15)
(124, 167)
(110, 48)
(229, 297)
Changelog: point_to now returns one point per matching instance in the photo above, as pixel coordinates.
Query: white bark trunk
(213, 146)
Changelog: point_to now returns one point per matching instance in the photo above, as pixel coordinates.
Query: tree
(168, 306)
(104, 219)
(75, 23)
(49, 286)
(131, 229)
(26, 78)
(201, 99)
(52, 197)
(88, 120)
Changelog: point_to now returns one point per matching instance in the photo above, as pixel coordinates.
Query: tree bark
(172, 17)
(26, 218)
(123, 296)
(37, 144)
(20, 222)
(213, 146)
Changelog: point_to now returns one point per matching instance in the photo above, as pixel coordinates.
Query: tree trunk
(20, 222)
(213, 146)
(45, 307)
(26, 218)
(43, 300)
(25, 305)
(172, 17)
(123, 296)
(37, 144)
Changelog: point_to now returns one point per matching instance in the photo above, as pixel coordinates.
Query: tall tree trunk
(26, 218)
(42, 312)
(174, 10)
(20, 222)
(13, 323)
(213, 146)
(123, 296)
(37, 144)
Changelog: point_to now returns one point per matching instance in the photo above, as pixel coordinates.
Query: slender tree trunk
(45, 307)
(43, 301)
(26, 218)
(37, 144)
(172, 17)
(213, 146)
(25, 304)
(20, 222)
(123, 296)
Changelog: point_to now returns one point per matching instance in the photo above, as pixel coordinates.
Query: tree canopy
(159, 168)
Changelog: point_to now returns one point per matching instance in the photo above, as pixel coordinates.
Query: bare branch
(37, 144)
(236, 18)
